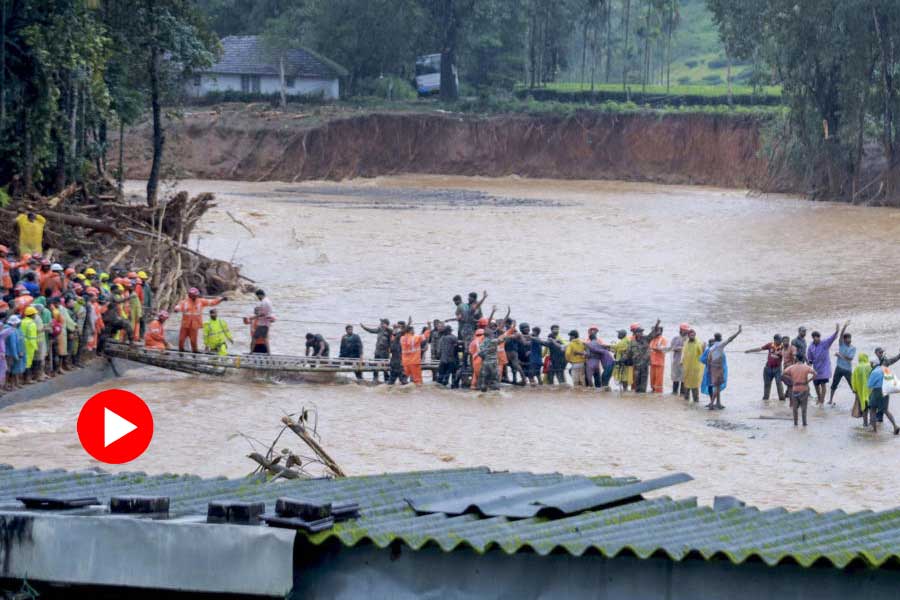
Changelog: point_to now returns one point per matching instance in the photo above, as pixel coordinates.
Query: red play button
(115, 426)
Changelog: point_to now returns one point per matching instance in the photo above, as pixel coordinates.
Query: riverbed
(574, 253)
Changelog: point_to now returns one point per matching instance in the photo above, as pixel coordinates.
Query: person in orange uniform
(6, 283)
(658, 349)
(155, 338)
(191, 309)
(411, 346)
(474, 348)
(22, 300)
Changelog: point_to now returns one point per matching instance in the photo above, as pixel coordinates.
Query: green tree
(282, 34)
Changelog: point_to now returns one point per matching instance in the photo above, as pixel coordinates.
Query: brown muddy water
(573, 253)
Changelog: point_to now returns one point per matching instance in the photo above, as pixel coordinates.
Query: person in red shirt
(191, 309)
(773, 369)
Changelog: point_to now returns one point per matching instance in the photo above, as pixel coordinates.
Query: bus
(428, 74)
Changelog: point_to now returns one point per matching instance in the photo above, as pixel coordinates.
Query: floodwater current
(574, 253)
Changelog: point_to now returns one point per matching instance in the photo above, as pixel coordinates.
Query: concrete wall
(268, 84)
(401, 573)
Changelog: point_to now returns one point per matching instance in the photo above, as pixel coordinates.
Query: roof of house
(247, 55)
(677, 529)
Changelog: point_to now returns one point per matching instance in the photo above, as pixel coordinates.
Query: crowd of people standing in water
(53, 315)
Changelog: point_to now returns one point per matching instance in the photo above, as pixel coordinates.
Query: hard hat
(14, 320)
(56, 267)
(143, 275)
(45, 262)
(104, 276)
(634, 327)
(92, 291)
(193, 292)
(119, 287)
(163, 314)
(132, 275)
(593, 328)
(20, 288)
(30, 311)
(90, 271)
(684, 327)
(77, 287)
(69, 271)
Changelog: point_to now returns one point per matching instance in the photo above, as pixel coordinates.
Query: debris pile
(90, 223)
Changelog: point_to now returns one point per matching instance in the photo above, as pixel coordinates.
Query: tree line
(838, 62)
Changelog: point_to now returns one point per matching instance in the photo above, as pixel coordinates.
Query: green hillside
(698, 58)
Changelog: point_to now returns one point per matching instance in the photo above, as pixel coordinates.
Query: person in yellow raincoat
(216, 334)
(31, 233)
(859, 381)
(30, 334)
(624, 374)
(693, 368)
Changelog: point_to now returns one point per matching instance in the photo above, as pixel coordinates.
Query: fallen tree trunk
(76, 220)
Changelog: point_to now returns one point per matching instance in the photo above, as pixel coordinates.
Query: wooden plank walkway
(274, 364)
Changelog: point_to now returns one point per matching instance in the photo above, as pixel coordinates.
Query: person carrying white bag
(882, 383)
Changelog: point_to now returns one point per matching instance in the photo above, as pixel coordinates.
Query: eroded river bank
(569, 252)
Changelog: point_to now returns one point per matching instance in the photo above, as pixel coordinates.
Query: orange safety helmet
(634, 327)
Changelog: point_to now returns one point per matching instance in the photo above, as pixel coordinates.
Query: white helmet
(56, 267)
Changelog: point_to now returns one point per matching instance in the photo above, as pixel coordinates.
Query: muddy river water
(573, 253)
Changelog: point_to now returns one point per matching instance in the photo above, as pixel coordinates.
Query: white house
(246, 66)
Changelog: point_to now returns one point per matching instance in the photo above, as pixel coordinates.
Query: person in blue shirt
(877, 400)
(844, 369)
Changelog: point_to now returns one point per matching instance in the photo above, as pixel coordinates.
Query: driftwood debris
(91, 224)
(288, 465)
(300, 429)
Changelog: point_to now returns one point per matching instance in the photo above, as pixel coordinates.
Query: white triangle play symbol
(115, 427)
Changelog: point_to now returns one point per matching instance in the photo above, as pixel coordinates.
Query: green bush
(713, 79)
(690, 64)
(387, 88)
(217, 97)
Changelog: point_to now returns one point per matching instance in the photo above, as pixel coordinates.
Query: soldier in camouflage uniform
(382, 344)
(489, 377)
(638, 354)
(467, 315)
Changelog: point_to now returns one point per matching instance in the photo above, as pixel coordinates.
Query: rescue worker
(191, 309)
(473, 351)
(29, 329)
(15, 352)
(382, 344)
(135, 310)
(351, 347)
(6, 282)
(639, 356)
(448, 359)
(216, 334)
(316, 345)
(411, 346)
(155, 338)
(147, 299)
(396, 363)
(692, 367)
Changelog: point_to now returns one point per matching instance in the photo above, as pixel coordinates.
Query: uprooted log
(294, 465)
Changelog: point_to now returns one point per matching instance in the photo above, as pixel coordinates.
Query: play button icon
(115, 426)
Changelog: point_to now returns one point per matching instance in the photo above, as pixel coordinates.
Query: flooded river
(573, 253)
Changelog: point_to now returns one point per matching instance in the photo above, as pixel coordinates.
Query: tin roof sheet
(676, 529)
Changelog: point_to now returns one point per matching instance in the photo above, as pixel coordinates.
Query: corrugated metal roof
(246, 55)
(677, 529)
(517, 502)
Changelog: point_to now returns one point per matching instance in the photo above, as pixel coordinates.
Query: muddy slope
(692, 149)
